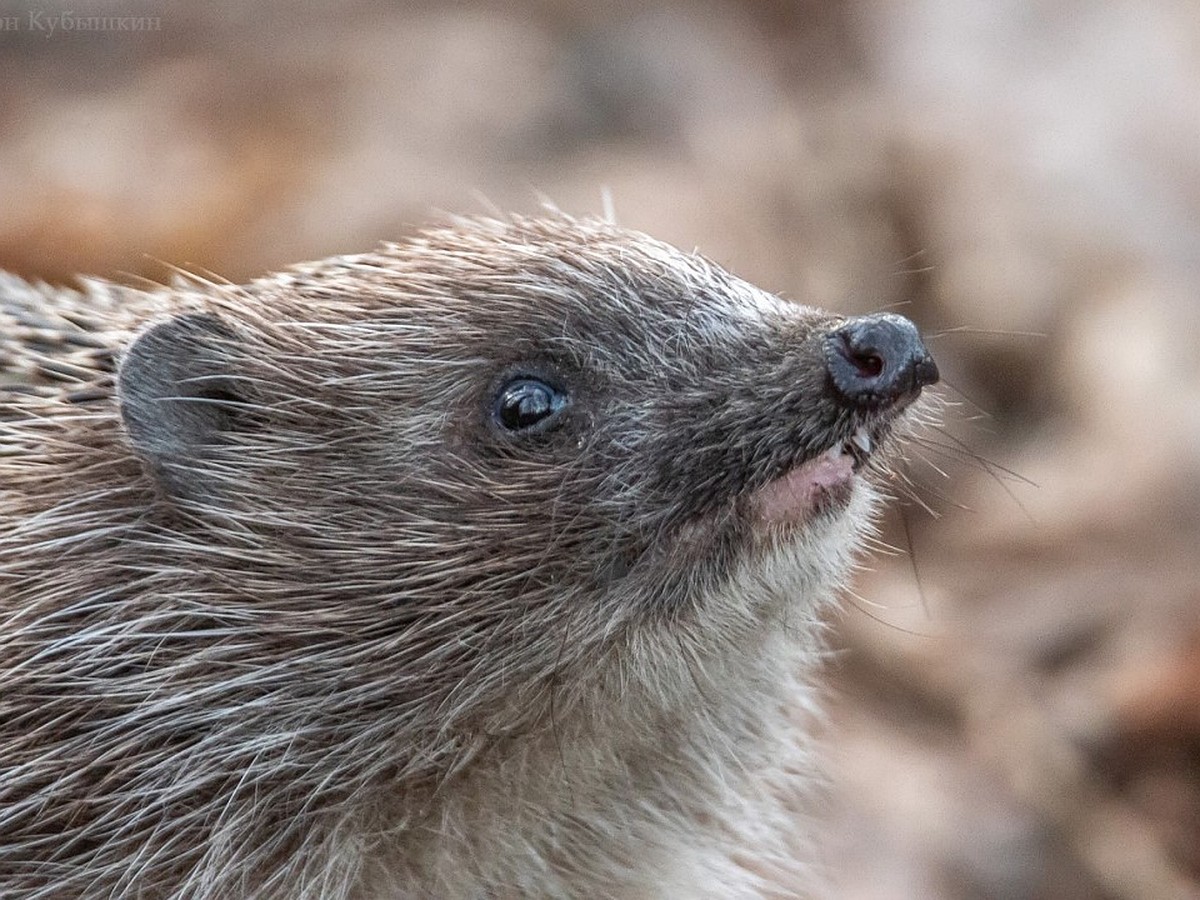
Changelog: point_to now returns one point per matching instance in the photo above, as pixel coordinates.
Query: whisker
(912, 558)
(968, 329)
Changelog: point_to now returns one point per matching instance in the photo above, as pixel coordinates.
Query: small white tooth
(862, 440)
(833, 453)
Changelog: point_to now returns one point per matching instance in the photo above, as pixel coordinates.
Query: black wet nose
(877, 360)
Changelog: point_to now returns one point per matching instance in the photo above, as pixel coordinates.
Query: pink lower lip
(793, 497)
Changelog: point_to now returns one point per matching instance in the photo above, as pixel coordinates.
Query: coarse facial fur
(284, 613)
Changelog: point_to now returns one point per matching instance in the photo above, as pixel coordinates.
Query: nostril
(868, 362)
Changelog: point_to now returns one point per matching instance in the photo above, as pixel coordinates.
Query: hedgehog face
(513, 425)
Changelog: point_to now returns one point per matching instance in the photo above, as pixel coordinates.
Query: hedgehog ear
(179, 398)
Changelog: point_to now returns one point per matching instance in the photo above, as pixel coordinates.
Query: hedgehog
(492, 563)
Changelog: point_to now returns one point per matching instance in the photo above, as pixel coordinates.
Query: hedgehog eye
(524, 403)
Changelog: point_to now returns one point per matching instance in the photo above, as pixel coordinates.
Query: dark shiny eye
(526, 402)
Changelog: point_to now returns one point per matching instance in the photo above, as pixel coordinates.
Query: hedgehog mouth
(822, 483)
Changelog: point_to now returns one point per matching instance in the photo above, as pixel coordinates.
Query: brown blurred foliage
(1017, 691)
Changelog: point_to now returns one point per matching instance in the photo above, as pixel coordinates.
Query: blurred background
(1016, 691)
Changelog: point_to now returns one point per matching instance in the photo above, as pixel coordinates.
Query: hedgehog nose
(878, 360)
